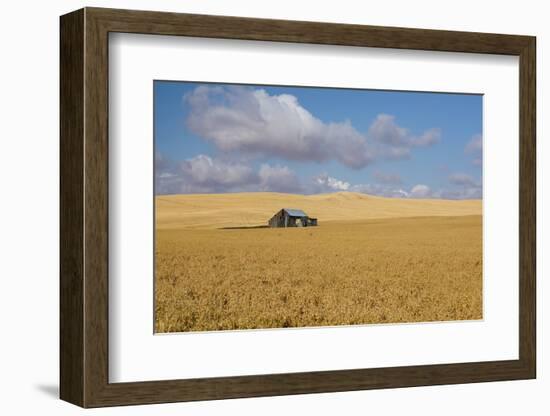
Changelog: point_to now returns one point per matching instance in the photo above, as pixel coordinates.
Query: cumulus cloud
(420, 191)
(475, 148)
(464, 187)
(325, 183)
(380, 190)
(428, 138)
(254, 122)
(203, 174)
(278, 179)
(397, 140)
(475, 145)
(244, 120)
(462, 179)
(385, 130)
(460, 193)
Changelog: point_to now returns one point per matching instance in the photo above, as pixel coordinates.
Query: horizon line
(317, 194)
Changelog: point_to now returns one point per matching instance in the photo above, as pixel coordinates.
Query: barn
(290, 217)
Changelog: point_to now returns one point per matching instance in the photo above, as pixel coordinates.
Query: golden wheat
(213, 211)
(341, 273)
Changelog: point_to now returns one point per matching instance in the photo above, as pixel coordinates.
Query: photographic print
(288, 207)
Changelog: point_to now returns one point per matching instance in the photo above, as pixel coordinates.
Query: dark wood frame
(84, 207)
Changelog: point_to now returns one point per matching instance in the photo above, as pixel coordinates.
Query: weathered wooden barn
(289, 217)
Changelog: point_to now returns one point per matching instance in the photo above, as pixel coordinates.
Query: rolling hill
(210, 211)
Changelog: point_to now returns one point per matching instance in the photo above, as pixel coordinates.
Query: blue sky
(216, 138)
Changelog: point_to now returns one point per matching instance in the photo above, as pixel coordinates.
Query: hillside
(254, 209)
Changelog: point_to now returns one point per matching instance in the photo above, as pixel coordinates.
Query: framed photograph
(254, 207)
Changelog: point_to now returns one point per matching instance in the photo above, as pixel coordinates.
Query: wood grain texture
(96, 208)
(527, 208)
(71, 213)
(226, 27)
(84, 207)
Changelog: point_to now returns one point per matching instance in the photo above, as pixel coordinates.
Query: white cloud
(397, 140)
(465, 187)
(395, 152)
(428, 138)
(475, 148)
(325, 183)
(253, 122)
(475, 145)
(400, 193)
(278, 179)
(420, 191)
(385, 130)
(380, 190)
(474, 192)
(462, 179)
(202, 174)
(204, 171)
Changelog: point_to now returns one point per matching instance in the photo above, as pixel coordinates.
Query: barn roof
(295, 212)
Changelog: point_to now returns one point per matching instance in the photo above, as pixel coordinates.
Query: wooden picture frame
(84, 207)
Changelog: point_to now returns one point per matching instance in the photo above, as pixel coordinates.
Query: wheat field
(370, 260)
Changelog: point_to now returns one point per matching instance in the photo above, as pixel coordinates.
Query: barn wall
(281, 217)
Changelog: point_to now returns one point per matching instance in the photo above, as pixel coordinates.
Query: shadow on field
(244, 227)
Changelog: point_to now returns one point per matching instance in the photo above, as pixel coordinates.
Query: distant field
(376, 266)
(252, 209)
